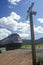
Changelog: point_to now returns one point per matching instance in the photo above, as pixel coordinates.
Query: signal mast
(30, 15)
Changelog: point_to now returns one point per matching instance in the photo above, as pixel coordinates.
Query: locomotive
(13, 41)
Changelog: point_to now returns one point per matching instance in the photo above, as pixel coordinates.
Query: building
(13, 41)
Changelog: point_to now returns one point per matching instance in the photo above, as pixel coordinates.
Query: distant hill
(26, 41)
(38, 41)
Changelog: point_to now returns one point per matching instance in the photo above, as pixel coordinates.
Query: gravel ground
(16, 57)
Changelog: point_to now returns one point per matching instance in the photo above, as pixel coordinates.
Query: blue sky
(13, 18)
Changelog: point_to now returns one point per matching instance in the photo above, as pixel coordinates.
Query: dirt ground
(15, 57)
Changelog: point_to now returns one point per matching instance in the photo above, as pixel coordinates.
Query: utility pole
(30, 13)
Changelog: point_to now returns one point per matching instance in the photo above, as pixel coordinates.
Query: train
(13, 41)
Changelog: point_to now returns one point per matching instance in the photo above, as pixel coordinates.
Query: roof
(13, 38)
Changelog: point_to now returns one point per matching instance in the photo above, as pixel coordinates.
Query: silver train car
(13, 41)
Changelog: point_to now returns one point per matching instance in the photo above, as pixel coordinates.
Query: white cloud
(24, 36)
(13, 15)
(40, 20)
(14, 2)
(23, 28)
(4, 33)
(27, 21)
(10, 19)
(11, 23)
(39, 29)
(10, 6)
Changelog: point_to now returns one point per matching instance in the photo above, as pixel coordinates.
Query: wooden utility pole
(30, 13)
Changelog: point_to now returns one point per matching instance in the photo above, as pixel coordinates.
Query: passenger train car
(13, 41)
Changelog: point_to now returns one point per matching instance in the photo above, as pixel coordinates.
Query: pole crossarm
(30, 8)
